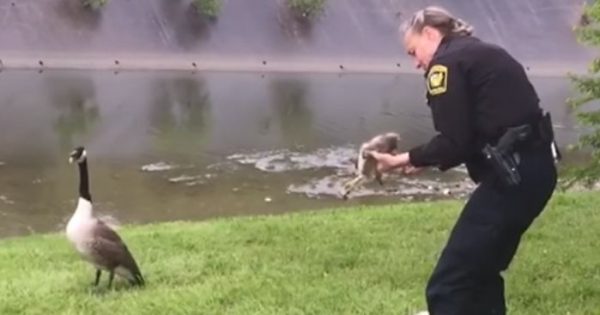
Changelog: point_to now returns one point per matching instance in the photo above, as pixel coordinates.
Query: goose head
(77, 155)
(392, 141)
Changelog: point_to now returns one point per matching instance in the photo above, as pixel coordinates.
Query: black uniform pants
(467, 279)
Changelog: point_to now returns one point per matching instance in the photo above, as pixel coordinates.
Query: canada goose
(366, 165)
(93, 239)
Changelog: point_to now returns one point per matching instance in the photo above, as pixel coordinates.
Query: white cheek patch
(82, 157)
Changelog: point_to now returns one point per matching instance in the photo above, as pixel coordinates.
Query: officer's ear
(431, 33)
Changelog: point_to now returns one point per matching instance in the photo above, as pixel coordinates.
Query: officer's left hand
(387, 162)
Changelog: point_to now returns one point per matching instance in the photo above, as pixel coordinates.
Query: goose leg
(111, 276)
(98, 273)
(351, 185)
(378, 177)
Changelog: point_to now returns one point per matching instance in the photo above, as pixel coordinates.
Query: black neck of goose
(84, 188)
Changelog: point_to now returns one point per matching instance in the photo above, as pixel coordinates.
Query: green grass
(371, 260)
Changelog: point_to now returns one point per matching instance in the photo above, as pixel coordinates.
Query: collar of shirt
(444, 43)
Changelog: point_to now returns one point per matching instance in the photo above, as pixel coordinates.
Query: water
(173, 145)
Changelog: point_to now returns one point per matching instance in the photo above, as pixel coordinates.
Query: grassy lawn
(370, 260)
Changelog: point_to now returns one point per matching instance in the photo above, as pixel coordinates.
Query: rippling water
(182, 146)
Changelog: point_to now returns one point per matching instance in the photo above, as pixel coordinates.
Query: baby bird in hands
(366, 165)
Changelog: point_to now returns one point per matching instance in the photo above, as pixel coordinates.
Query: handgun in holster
(502, 156)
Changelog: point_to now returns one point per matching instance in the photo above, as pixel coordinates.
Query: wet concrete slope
(537, 31)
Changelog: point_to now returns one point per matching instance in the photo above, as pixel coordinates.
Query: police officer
(476, 92)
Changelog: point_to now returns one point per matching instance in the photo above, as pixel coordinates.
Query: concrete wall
(361, 32)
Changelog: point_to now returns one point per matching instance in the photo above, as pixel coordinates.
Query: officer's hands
(387, 162)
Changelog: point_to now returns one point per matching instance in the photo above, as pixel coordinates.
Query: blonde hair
(438, 18)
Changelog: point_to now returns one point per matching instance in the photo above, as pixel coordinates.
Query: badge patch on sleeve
(437, 80)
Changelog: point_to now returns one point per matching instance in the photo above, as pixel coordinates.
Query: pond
(176, 145)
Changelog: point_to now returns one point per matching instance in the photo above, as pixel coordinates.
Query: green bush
(306, 8)
(587, 87)
(209, 8)
(94, 4)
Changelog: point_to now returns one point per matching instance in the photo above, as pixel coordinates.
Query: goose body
(93, 239)
(366, 166)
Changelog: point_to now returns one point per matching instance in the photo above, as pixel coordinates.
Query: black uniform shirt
(474, 90)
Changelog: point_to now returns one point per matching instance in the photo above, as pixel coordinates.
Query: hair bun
(461, 27)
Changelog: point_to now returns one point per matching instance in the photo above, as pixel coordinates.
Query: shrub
(588, 88)
(306, 8)
(209, 8)
(94, 4)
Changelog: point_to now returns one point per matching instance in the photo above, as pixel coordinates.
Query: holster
(504, 157)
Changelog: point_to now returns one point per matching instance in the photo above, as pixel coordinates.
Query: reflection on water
(289, 99)
(78, 112)
(170, 146)
(179, 116)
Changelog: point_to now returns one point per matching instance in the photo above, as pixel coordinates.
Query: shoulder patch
(437, 80)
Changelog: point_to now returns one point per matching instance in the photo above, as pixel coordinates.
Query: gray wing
(111, 251)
